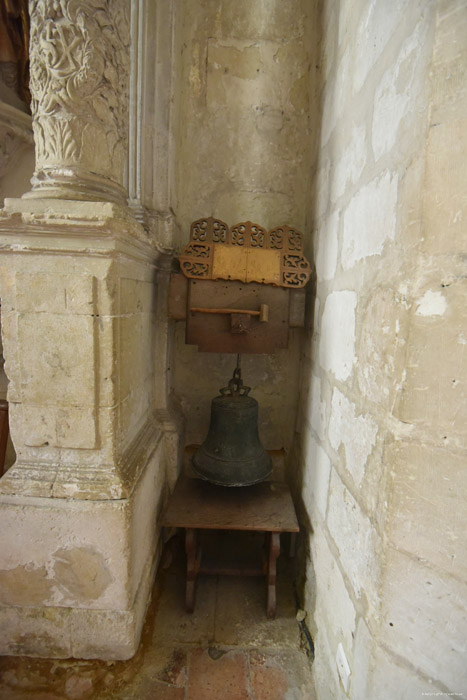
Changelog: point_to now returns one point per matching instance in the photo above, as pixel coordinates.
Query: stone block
(326, 259)
(376, 27)
(391, 678)
(54, 293)
(107, 366)
(38, 424)
(357, 542)
(435, 358)
(425, 616)
(75, 427)
(384, 328)
(318, 407)
(326, 679)
(361, 662)
(316, 478)
(136, 296)
(448, 77)
(332, 597)
(9, 331)
(349, 168)
(135, 339)
(35, 631)
(445, 201)
(424, 517)
(57, 552)
(337, 335)
(394, 115)
(369, 220)
(355, 432)
(56, 359)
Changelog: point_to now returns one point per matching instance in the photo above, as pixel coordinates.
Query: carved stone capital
(79, 67)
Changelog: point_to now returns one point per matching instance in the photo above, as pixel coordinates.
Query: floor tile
(217, 676)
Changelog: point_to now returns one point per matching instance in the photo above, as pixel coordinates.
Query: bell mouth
(223, 472)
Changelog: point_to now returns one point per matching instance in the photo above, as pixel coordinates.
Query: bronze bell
(232, 454)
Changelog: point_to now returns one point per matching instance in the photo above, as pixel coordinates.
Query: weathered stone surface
(316, 482)
(377, 24)
(399, 88)
(413, 595)
(333, 600)
(337, 341)
(356, 540)
(427, 484)
(79, 65)
(364, 233)
(327, 256)
(344, 425)
(51, 371)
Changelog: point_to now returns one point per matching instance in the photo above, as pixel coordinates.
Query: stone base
(61, 633)
(76, 575)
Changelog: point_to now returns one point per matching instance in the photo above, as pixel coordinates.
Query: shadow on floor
(226, 650)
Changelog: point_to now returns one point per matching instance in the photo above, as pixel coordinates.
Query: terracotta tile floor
(226, 650)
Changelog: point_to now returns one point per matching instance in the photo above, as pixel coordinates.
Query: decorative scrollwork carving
(257, 236)
(294, 239)
(199, 230)
(195, 269)
(276, 238)
(286, 238)
(197, 250)
(237, 234)
(297, 262)
(209, 230)
(248, 234)
(295, 279)
(288, 268)
(219, 231)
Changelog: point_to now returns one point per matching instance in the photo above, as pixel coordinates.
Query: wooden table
(198, 505)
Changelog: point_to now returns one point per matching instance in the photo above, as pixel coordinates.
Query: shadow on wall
(301, 457)
(7, 451)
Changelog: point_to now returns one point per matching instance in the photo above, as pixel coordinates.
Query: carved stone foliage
(79, 54)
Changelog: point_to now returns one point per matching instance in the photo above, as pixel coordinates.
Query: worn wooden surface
(178, 294)
(197, 504)
(212, 332)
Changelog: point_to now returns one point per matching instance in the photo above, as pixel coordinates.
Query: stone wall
(241, 153)
(383, 415)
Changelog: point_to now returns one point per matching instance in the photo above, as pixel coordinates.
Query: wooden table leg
(274, 550)
(192, 567)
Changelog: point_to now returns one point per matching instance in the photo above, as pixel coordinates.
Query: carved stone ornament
(79, 68)
(245, 252)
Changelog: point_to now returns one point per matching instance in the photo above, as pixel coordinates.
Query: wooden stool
(198, 505)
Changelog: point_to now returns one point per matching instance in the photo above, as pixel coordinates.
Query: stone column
(79, 66)
(79, 279)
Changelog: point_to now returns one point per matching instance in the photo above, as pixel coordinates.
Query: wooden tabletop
(198, 504)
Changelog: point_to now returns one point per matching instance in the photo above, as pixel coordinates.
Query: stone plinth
(78, 510)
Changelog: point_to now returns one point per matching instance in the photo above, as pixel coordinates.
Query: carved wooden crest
(245, 252)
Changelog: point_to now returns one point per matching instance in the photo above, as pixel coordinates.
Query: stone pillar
(79, 280)
(79, 65)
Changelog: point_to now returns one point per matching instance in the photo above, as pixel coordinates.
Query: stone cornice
(51, 226)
